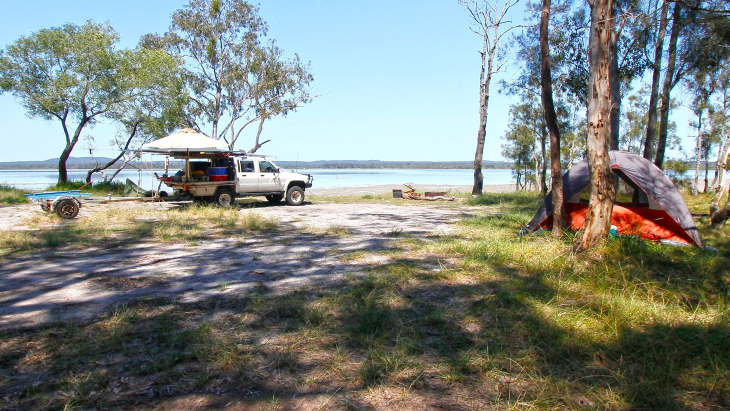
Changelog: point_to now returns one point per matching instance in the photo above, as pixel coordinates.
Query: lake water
(323, 178)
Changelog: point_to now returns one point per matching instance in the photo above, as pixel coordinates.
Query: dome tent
(659, 213)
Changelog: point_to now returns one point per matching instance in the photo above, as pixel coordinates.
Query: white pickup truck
(222, 178)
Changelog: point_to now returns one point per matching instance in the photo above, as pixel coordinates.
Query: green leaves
(235, 78)
(76, 74)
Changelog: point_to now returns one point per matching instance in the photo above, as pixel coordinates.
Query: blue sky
(395, 80)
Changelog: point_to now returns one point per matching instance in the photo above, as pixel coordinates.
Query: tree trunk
(707, 145)
(70, 143)
(600, 205)
(257, 145)
(615, 85)
(104, 167)
(718, 183)
(696, 181)
(119, 170)
(669, 83)
(538, 180)
(113, 161)
(484, 79)
(720, 217)
(718, 186)
(62, 172)
(543, 160)
(551, 120)
(656, 75)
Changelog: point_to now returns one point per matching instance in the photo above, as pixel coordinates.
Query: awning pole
(187, 166)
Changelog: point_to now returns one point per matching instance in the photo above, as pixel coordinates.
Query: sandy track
(317, 244)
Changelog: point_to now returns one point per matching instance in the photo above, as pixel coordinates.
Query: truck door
(269, 177)
(247, 180)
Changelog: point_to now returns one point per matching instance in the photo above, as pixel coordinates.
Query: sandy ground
(317, 244)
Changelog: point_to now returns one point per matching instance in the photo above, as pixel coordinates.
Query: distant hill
(85, 163)
(52, 162)
(377, 164)
(73, 163)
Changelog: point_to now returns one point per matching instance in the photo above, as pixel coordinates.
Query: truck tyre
(295, 196)
(274, 198)
(224, 198)
(67, 208)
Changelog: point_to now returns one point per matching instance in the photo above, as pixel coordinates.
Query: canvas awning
(183, 141)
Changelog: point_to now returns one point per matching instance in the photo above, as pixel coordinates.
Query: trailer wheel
(67, 208)
(224, 198)
(274, 198)
(295, 196)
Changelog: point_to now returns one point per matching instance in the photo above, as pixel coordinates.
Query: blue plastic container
(216, 171)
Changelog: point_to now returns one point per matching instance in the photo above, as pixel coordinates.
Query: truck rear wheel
(274, 198)
(295, 196)
(224, 198)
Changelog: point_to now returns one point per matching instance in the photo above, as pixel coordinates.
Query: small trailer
(64, 203)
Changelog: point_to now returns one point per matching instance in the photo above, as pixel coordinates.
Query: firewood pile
(411, 194)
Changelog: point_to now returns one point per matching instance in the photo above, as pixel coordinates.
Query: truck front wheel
(224, 198)
(295, 196)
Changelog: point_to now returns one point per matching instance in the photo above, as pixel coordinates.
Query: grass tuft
(10, 195)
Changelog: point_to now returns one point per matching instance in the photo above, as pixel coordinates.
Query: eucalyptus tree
(526, 142)
(280, 87)
(701, 88)
(519, 146)
(551, 119)
(155, 112)
(489, 18)
(720, 118)
(655, 65)
(628, 41)
(707, 52)
(602, 192)
(633, 127)
(569, 45)
(527, 87)
(235, 77)
(673, 75)
(75, 75)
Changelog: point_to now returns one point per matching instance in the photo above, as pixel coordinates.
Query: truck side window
(246, 166)
(266, 167)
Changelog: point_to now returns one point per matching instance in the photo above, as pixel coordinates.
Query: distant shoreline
(88, 163)
(387, 188)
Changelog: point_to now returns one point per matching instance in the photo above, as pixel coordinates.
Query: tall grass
(97, 188)
(11, 195)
